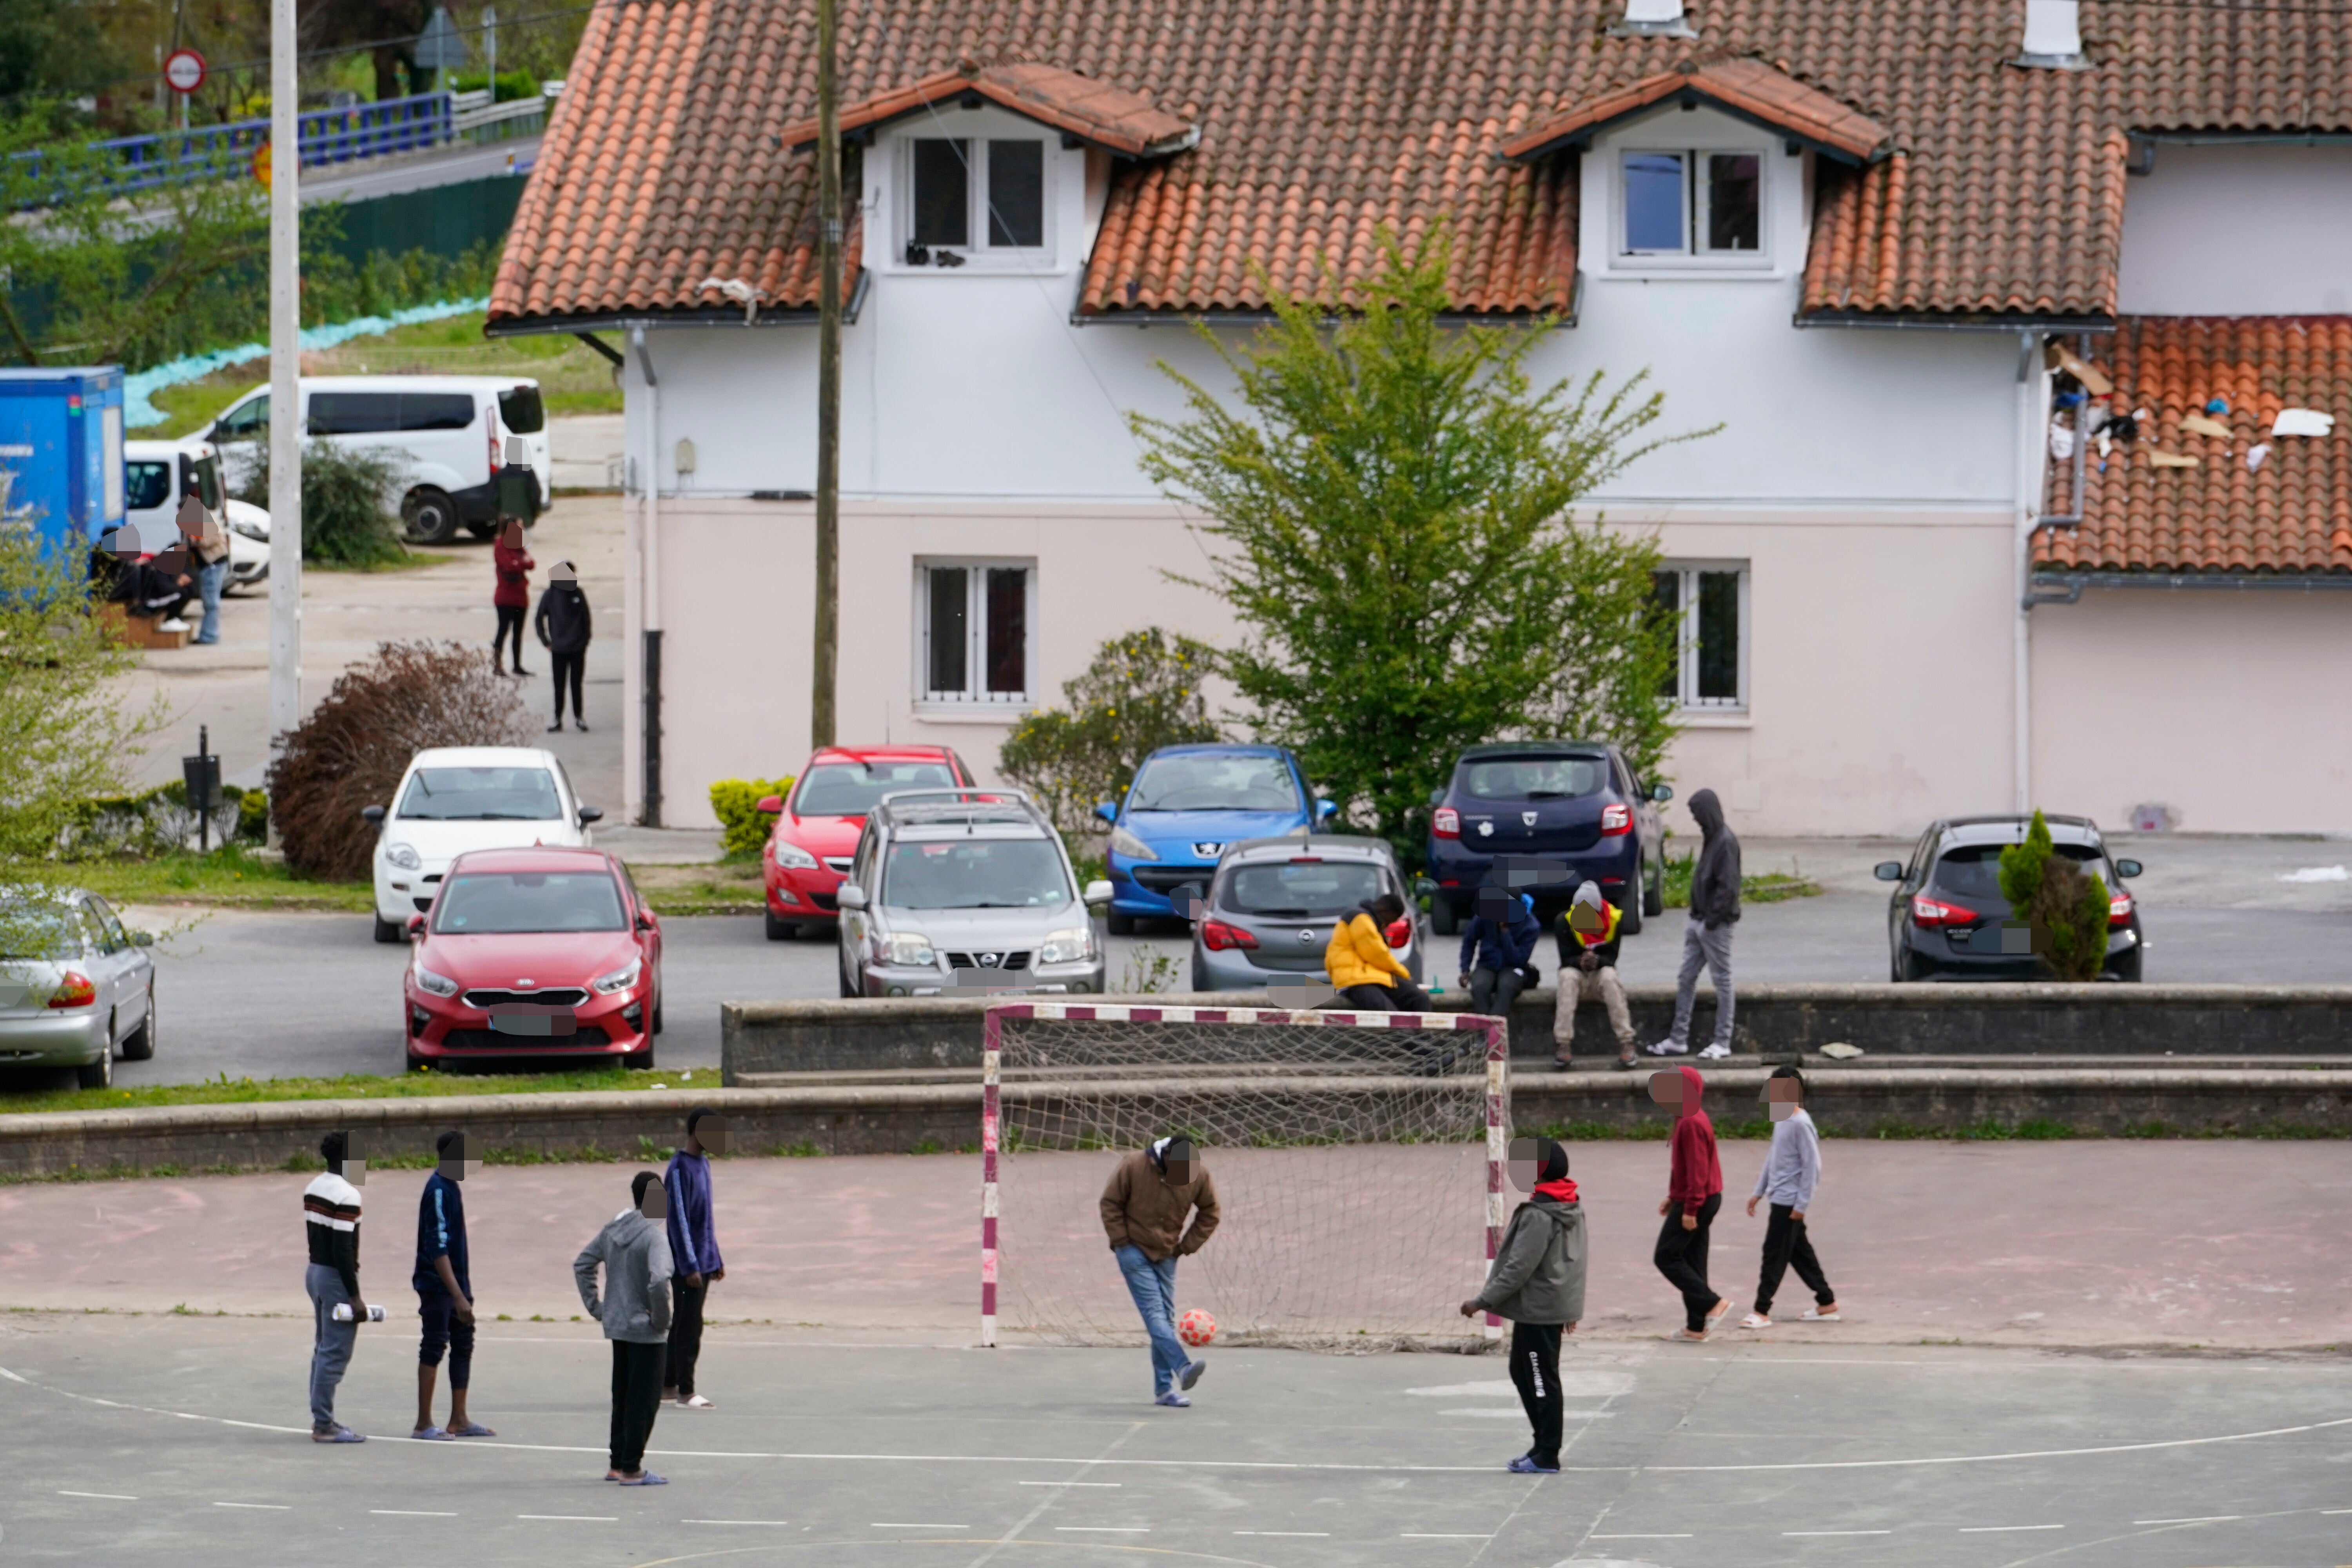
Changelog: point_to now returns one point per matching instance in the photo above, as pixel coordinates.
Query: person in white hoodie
(633, 1247)
(1791, 1171)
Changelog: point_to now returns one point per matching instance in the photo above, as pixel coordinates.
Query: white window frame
(1686, 665)
(975, 699)
(975, 142)
(1694, 255)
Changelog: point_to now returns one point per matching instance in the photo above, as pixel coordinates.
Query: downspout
(650, 651)
(2033, 418)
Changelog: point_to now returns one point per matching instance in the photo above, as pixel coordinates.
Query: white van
(156, 474)
(449, 430)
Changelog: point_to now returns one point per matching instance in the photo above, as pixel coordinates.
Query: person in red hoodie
(1694, 1192)
(511, 597)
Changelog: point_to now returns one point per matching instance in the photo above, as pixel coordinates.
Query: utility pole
(828, 382)
(285, 389)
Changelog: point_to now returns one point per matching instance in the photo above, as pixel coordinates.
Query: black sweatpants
(1535, 1368)
(1400, 997)
(567, 667)
(1492, 991)
(511, 619)
(1786, 1243)
(1682, 1258)
(636, 1400)
(684, 1335)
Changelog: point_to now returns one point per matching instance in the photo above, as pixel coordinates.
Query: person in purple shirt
(694, 1247)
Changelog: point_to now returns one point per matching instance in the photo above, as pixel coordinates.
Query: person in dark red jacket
(512, 595)
(1694, 1192)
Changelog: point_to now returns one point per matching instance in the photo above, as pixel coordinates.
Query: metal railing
(326, 136)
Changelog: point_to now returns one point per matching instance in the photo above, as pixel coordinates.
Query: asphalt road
(182, 1441)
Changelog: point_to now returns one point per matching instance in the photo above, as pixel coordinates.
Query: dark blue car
(1186, 805)
(1546, 815)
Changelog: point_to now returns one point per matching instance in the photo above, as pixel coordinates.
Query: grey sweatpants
(330, 1351)
(1712, 951)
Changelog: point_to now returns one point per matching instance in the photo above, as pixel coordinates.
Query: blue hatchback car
(1186, 805)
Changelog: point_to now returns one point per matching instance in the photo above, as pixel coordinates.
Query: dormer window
(970, 194)
(1692, 202)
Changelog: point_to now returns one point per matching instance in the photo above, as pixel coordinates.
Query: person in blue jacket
(1498, 951)
(694, 1249)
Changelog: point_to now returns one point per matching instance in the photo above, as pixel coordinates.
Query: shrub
(350, 502)
(736, 803)
(1141, 692)
(351, 749)
(158, 821)
(2065, 907)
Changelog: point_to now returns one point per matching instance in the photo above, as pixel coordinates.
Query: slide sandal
(430, 1434)
(471, 1430)
(647, 1479)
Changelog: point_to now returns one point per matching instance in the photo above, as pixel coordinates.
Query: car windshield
(482, 794)
(850, 789)
(1534, 778)
(974, 873)
(504, 903)
(1973, 871)
(1304, 890)
(1214, 781)
(38, 932)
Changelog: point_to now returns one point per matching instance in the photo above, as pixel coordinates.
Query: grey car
(965, 891)
(1272, 903)
(75, 986)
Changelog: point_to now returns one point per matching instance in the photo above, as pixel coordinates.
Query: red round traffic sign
(184, 70)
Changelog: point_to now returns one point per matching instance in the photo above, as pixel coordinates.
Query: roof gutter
(1953, 323)
(2073, 583)
(1567, 318)
(530, 326)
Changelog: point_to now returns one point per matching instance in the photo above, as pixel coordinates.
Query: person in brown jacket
(1144, 1209)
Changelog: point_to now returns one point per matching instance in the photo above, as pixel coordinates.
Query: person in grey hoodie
(1791, 1171)
(633, 1247)
(1538, 1282)
(1706, 939)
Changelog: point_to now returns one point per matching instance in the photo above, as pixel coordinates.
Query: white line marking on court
(1678, 1535)
(1318, 1535)
(2202, 1519)
(1998, 1529)
(1069, 1483)
(573, 1518)
(2336, 1511)
(279, 1507)
(734, 1522)
(1425, 1535)
(878, 1526)
(1103, 1529)
(413, 1512)
(109, 1497)
(1837, 1533)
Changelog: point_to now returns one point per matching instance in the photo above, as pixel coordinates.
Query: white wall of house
(2239, 230)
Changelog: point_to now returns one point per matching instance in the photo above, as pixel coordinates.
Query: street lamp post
(285, 388)
(828, 383)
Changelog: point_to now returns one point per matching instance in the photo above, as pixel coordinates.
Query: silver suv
(956, 891)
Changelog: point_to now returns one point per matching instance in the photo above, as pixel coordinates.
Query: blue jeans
(1153, 1286)
(208, 583)
(330, 1351)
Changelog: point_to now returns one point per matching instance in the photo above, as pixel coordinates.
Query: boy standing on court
(1144, 1208)
(633, 1247)
(330, 1216)
(445, 1291)
(1537, 1282)
(1791, 1171)
(693, 1250)
(1693, 1194)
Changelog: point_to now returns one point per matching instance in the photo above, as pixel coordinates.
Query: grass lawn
(423, 1083)
(1770, 887)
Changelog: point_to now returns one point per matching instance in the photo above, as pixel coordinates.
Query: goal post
(1347, 1149)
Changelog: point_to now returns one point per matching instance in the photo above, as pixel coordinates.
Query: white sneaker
(1716, 1053)
(696, 1402)
(174, 624)
(1816, 1315)
(1668, 1049)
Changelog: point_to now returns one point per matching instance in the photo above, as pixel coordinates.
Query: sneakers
(1629, 1061)
(1828, 1314)
(1174, 1400)
(1716, 1052)
(1191, 1373)
(552, 728)
(174, 624)
(1669, 1048)
(1525, 1465)
(1755, 1321)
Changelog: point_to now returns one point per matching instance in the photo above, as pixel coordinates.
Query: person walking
(694, 1252)
(207, 547)
(1498, 951)
(1537, 1280)
(563, 628)
(1693, 1194)
(330, 1216)
(511, 596)
(1791, 1171)
(1589, 937)
(1707, 937)
(445, 1293)
(633, 1249)
(1145, 1207)
(1363, 971)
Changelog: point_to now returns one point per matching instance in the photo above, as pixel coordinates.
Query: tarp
(137, 390)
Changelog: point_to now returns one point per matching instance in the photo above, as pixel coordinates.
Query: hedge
(736, 803)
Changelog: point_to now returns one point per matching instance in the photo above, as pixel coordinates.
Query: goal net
(1358, 1159)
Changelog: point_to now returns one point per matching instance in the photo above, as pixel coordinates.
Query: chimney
(1653, 19)
(2053, 35)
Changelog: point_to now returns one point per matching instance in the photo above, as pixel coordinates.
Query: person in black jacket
(1498, 951)
(1706, 939)
(562, 625)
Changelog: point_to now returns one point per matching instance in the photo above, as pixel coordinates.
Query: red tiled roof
(2000, 193)
(1117, 121)
(2292, 514)
(1746, 87)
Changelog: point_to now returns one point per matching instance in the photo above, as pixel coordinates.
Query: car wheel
(847, 989)
(639, 1061)
(1630, 922)
(415, 1061)
(1443, 919)
(780, 931)
(485, 530)
(140, 1045)
(100, 1073)
(657, 1014)
(389, 930)
(1119, 924)
(2125, 968)
(1653, 894)
(1200, 973)
(428, 516)
(1910, 966)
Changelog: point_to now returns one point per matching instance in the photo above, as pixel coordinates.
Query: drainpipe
(649, 726)
(2034, 418)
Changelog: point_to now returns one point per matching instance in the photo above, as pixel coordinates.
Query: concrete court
(182, 1441)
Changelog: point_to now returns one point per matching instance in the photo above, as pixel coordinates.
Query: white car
(456, 799)
(156, 474)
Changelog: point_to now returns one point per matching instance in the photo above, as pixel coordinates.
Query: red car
(808, 851)
(534, 952)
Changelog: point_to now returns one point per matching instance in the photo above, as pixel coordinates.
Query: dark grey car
(1273, 902)
(1947, 914)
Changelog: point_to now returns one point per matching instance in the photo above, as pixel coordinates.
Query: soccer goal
(1358, 1159)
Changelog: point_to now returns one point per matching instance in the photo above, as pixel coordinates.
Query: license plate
(536, 1026)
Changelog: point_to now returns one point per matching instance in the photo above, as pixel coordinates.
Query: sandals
(646, 1479)
(1755, 1321)
(431, 1434)
(471, 1430)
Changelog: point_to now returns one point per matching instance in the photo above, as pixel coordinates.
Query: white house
(1860, 238)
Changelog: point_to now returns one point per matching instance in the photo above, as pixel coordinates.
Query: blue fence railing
(326, 136)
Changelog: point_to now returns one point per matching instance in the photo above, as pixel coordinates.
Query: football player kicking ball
(1144, 1210)
(1537, 1282)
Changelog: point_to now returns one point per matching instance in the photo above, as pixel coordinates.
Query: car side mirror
(1437, 795)
(142, 938)
(2127, 868)
(372, 814)
(1108, 811)
(415, 927)
(1326, 808)
(849, 896)
(645, 921)
(1888, 870)
(1662, 792)
(1422, 887)
(589, 814)
(1097, 894)
(772, 804)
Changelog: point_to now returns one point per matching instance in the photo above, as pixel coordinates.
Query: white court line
(1677, 1535)
(2336, 1511)
(413, 1512)
(1837, 1533)
(1069, 1483)
(1318, 1535)
(919, 1527)
(573, 1518)
(1103, 1529)
(2202, 1519)
(109, 1497)
(277, 1507)
(734, 1522)
(1999, 1529)
(1424, 1535)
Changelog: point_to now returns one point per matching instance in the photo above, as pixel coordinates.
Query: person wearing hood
(510, 595)
(1498, 951)
(1706, 938)
(1693, 1194)
(1537, 1280)
(634, 1248)
(1145, 1206)
(562, 625)
(1588, 942)
(1363, 971)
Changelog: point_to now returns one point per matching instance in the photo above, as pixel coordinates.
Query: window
(1214, 781)
(149, 486)
(522, 409)
(246, 421)
(435, 410)
(975, 632)
(515, 903)
(965, 188)
(353, 413)
(1693, 204)
(1708, 606)
(942, 192)
(203, 476)
(481, 795)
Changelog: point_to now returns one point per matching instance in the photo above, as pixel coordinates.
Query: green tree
(2065, 906)
(1390, 503)
(1141, 692)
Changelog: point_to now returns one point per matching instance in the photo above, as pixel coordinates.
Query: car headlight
(439, 984)
(402, 856)
(911, 947)
(621, 979)
(250, 530)
(1075, 945)
(788, 853)
(1122, 842)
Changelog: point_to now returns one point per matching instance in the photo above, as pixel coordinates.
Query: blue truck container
(61, 473)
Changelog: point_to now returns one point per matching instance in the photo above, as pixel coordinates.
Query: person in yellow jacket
(1363, 971)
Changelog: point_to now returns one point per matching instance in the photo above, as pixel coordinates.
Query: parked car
(449, 431)
(808, 849)
(960, 886)
(539, 952)
(1273, 902)
(75, 986)
(156, 474)
(1564, 811)
(1187, 804)
(1945, 917)
(456, 798)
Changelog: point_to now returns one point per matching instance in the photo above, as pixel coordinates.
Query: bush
(351, 749)
(350, 502)
(736, 803)
(1141, 692)
(2065, 907)
(158, 821)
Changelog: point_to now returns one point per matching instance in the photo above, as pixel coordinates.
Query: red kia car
(808, 851)
(534, 952)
